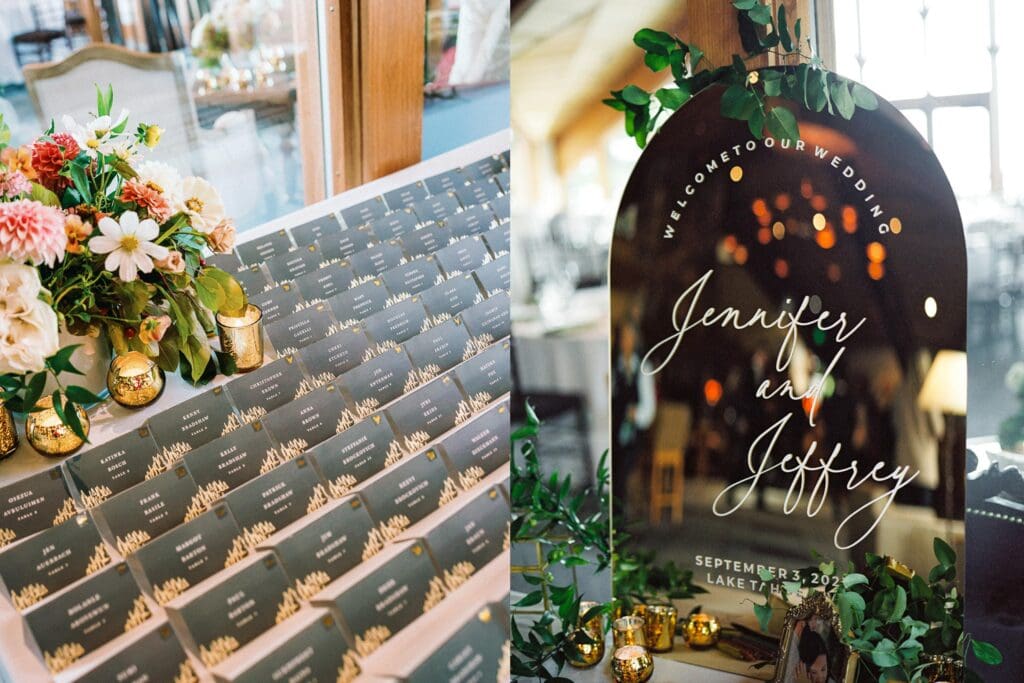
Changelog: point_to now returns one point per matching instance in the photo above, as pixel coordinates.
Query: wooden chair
(671, 435)
(153, 87)
(50, 24)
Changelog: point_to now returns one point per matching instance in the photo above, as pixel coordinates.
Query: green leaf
(61, 361)
(744, 5)
(842, 99)
(58, 407)
(783, 28)
(530, 599)
(737, 102)
(35, 390)
(655, 61)
(636, 95)
(696, 54)
(760, 14)
(851, 580)
(210, 292)
(863, 98)
(72, 421)
(884, 654)
(234, 297)
(44, 196)
(657, 42)
(756, 123)
(944, 553)
(764, 616)
(796, 32)
(80, 181)
(986, 652)
(899, 606)
(82, 395)
(782, 125)
(672, 98)
(615, 103)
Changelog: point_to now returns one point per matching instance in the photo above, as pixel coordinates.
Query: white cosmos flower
(98, 135)
(128, 244)
(162, 177)
(201, 202)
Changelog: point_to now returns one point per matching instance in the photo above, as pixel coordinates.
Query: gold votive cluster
(241, 337)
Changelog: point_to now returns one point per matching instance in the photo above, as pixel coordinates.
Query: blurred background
(279, 103)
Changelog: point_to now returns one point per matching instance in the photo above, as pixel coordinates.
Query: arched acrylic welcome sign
(776, 312)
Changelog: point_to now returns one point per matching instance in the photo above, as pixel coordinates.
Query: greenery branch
(751, 95)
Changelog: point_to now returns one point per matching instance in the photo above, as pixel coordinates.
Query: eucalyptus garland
(750, 94)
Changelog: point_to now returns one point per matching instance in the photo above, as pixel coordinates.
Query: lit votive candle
(134, 380)
(628, 631)
(632, 664)
(241, 336)
(701, 631)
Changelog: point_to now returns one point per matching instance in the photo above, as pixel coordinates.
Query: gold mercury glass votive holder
(241, 336)
(701, 631)
(628, 631)
(632, 664)
(586, 654)
(660, 627)
(135, 380)
(8, 432)
(48, 435)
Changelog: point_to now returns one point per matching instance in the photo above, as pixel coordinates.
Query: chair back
(152, 87)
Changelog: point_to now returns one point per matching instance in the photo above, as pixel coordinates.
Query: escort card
(484, 168)
(253, 280)
(325, 282)
(489, 372)
(111, 467)
(187, 554)
(482, 442)
(364, 212)
(425, 240)
(307, 649)
(500, 208)
(493, 317)
(264, 389)
(404, 196)
(325, 545)
(227, 262)
(408, 491)
(471, 537)
(87, 615)
(473, 653)
(412, 277)
(437, 207)
(345, 243)
(360, 301)
(308, 420)
(473, 221)
(231, 460)
(442, 182)
(43, 564)
(276, 499)
(506, 156)
(143, 512)
(398, 322)
(307, 233)
(432, 409)
(495, 276)
(504, 180)
(376, 260)
(262, 248)
(300, 329)
(379, 380)
(465, 255)
(392, 225)
(478, 192)
(400, 590)
(355, 455)
(33, 504)
(293, 264)
(336, 354)
(155, 656)
(451, 296)
(499, 239)
(443, 346)
(231, 611)
(192, 423)
(277, 302)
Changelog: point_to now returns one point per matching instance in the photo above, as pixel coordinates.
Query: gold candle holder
(639, 610)
(628, 631)
(8, 433)
(660, 627)
(135, 380)
(632, 664)
(48, 435)
(701, 631)
(594, 626)
(587, 648)
(241, 336)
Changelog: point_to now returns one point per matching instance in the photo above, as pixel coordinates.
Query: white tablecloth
(15, 18)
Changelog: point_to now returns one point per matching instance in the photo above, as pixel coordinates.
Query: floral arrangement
(232, 25)
(96, 241)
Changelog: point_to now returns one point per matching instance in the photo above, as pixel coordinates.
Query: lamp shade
(945, 385)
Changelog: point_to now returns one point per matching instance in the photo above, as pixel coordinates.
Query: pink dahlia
(13, 183)
(31, 232)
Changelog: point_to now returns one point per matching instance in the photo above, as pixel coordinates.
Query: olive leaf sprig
(807, 83)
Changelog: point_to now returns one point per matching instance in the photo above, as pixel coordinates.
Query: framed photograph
(811, 649)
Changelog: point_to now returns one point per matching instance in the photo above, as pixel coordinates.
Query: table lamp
(945, 390)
